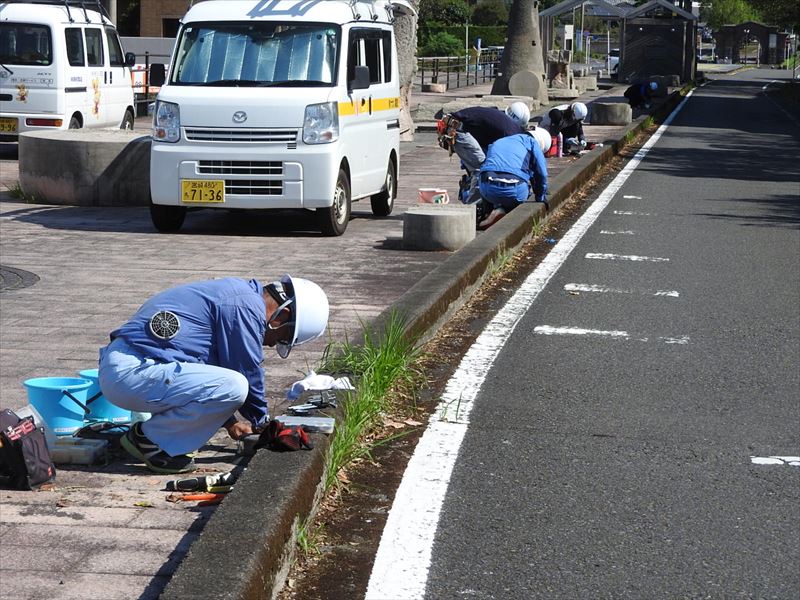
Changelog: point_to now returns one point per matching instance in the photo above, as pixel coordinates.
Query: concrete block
(525, 83)
(556, 95)
(436, 88)
(586, 83)
(438, 226)
(86, 167)
(610, 113)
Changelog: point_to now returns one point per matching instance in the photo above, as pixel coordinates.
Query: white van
(61, 67)
(279, 104)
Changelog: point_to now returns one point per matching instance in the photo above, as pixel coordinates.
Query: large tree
(785, 13)
(726, 12)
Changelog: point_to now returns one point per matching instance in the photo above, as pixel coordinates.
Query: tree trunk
(405, 30)
(523, 50)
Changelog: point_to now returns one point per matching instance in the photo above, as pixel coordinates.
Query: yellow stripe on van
(349, 109)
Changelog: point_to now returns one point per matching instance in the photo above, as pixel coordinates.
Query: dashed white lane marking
(607, 232)
(793, 461)
(400, 571)
(619, 335)
(584, 287)
(633, 257)
(632, 197)
(631, 212)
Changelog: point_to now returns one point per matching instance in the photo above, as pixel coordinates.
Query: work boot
(494, 217)
(138, 445)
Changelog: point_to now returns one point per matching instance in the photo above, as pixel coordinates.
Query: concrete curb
(247, 546)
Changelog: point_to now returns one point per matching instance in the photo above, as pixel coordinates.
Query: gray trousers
(471, 154)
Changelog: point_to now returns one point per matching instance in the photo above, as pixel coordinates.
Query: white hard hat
(309, 306)
(520, 113)
(579, 110)
(543, 137)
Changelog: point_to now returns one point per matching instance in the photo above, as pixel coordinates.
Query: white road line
(793, 461)
(585, 287)
(400, 571)
(633, 257)
(631, 212)
(550, 330)
(632, 197)
(607, 232)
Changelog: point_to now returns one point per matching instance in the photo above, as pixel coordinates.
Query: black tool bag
(25, 461)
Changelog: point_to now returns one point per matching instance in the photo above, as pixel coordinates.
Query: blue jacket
(519, 155)
(222, 323)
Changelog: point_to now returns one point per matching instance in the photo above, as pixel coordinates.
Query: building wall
(153, 13)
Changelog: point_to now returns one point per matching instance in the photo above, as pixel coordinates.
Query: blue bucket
(100, 409)
(60, 401)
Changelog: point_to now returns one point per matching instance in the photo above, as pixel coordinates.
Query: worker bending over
(567, 119)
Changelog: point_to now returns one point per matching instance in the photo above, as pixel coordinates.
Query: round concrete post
(611, 113)
(86, 167)
(438, 226)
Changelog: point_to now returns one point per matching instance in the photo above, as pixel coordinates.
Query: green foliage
(447, 12)
(442, 43)
(727, 12)
(491, 35)
(490, 12)
(784, 13)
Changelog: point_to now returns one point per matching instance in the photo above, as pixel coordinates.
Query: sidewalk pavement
(71, 274)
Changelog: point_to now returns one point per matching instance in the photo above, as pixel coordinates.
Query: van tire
(74, 123)
(333, 219)
(127, 121)
(167, 219)
(383, 201)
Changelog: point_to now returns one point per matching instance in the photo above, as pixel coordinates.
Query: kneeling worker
(514, 166)
(191, 356)
(567, 119)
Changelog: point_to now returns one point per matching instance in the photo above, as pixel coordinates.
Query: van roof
(51, 13)
(325, 11)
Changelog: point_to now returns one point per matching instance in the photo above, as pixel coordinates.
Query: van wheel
(127, 121)
(333, 219)
(383, 201)
(74, 123)
(167, 218)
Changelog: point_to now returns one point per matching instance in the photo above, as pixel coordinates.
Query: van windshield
(255, 54)
(25, 44)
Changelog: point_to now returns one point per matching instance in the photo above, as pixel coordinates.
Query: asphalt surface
(599, 467)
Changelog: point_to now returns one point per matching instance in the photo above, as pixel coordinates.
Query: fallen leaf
(154, 481)
(62, 502)
(174, 497)
(393, 424)
(412, 422)
(144, 504)
(47, 487)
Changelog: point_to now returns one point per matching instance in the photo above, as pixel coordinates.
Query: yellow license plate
(202, 191)
(8, 125)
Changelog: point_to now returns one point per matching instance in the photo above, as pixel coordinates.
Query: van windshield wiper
(233, 83)
(7, 69)
(298, 83)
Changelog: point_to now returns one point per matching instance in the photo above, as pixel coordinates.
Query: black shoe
(138, 445)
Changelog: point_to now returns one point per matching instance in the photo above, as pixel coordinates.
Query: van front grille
(240, 167)
(254, 187)
(247, 136)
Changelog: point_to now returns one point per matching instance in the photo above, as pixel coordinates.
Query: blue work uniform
(191, 356)
(514, 165)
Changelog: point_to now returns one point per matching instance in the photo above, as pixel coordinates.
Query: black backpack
(25, 461)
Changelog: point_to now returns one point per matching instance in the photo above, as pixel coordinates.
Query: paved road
(609, 449)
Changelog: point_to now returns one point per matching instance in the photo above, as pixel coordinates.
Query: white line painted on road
(584, 287)
(794, 461)
(766, 85)
(550, 330)
(607, 232)
(633, 257)
(632, 197)
(400, 571)
(631, 212)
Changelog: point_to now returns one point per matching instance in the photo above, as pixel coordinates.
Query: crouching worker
(640, 94)
(191, 356)
(567, 119)
(514, 168)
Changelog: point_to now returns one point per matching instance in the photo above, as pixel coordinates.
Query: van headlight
(321, 123)
(166, 122)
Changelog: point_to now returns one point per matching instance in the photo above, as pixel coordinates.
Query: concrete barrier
(611, 113)
(86, 167)
(586, 83)
(438, 226)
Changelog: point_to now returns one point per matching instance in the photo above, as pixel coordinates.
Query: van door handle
(105, 76)
(370, 105)
(111, 77)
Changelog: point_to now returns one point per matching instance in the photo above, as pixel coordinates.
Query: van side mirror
(360, 79)
(158, 74)
(130, 59)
